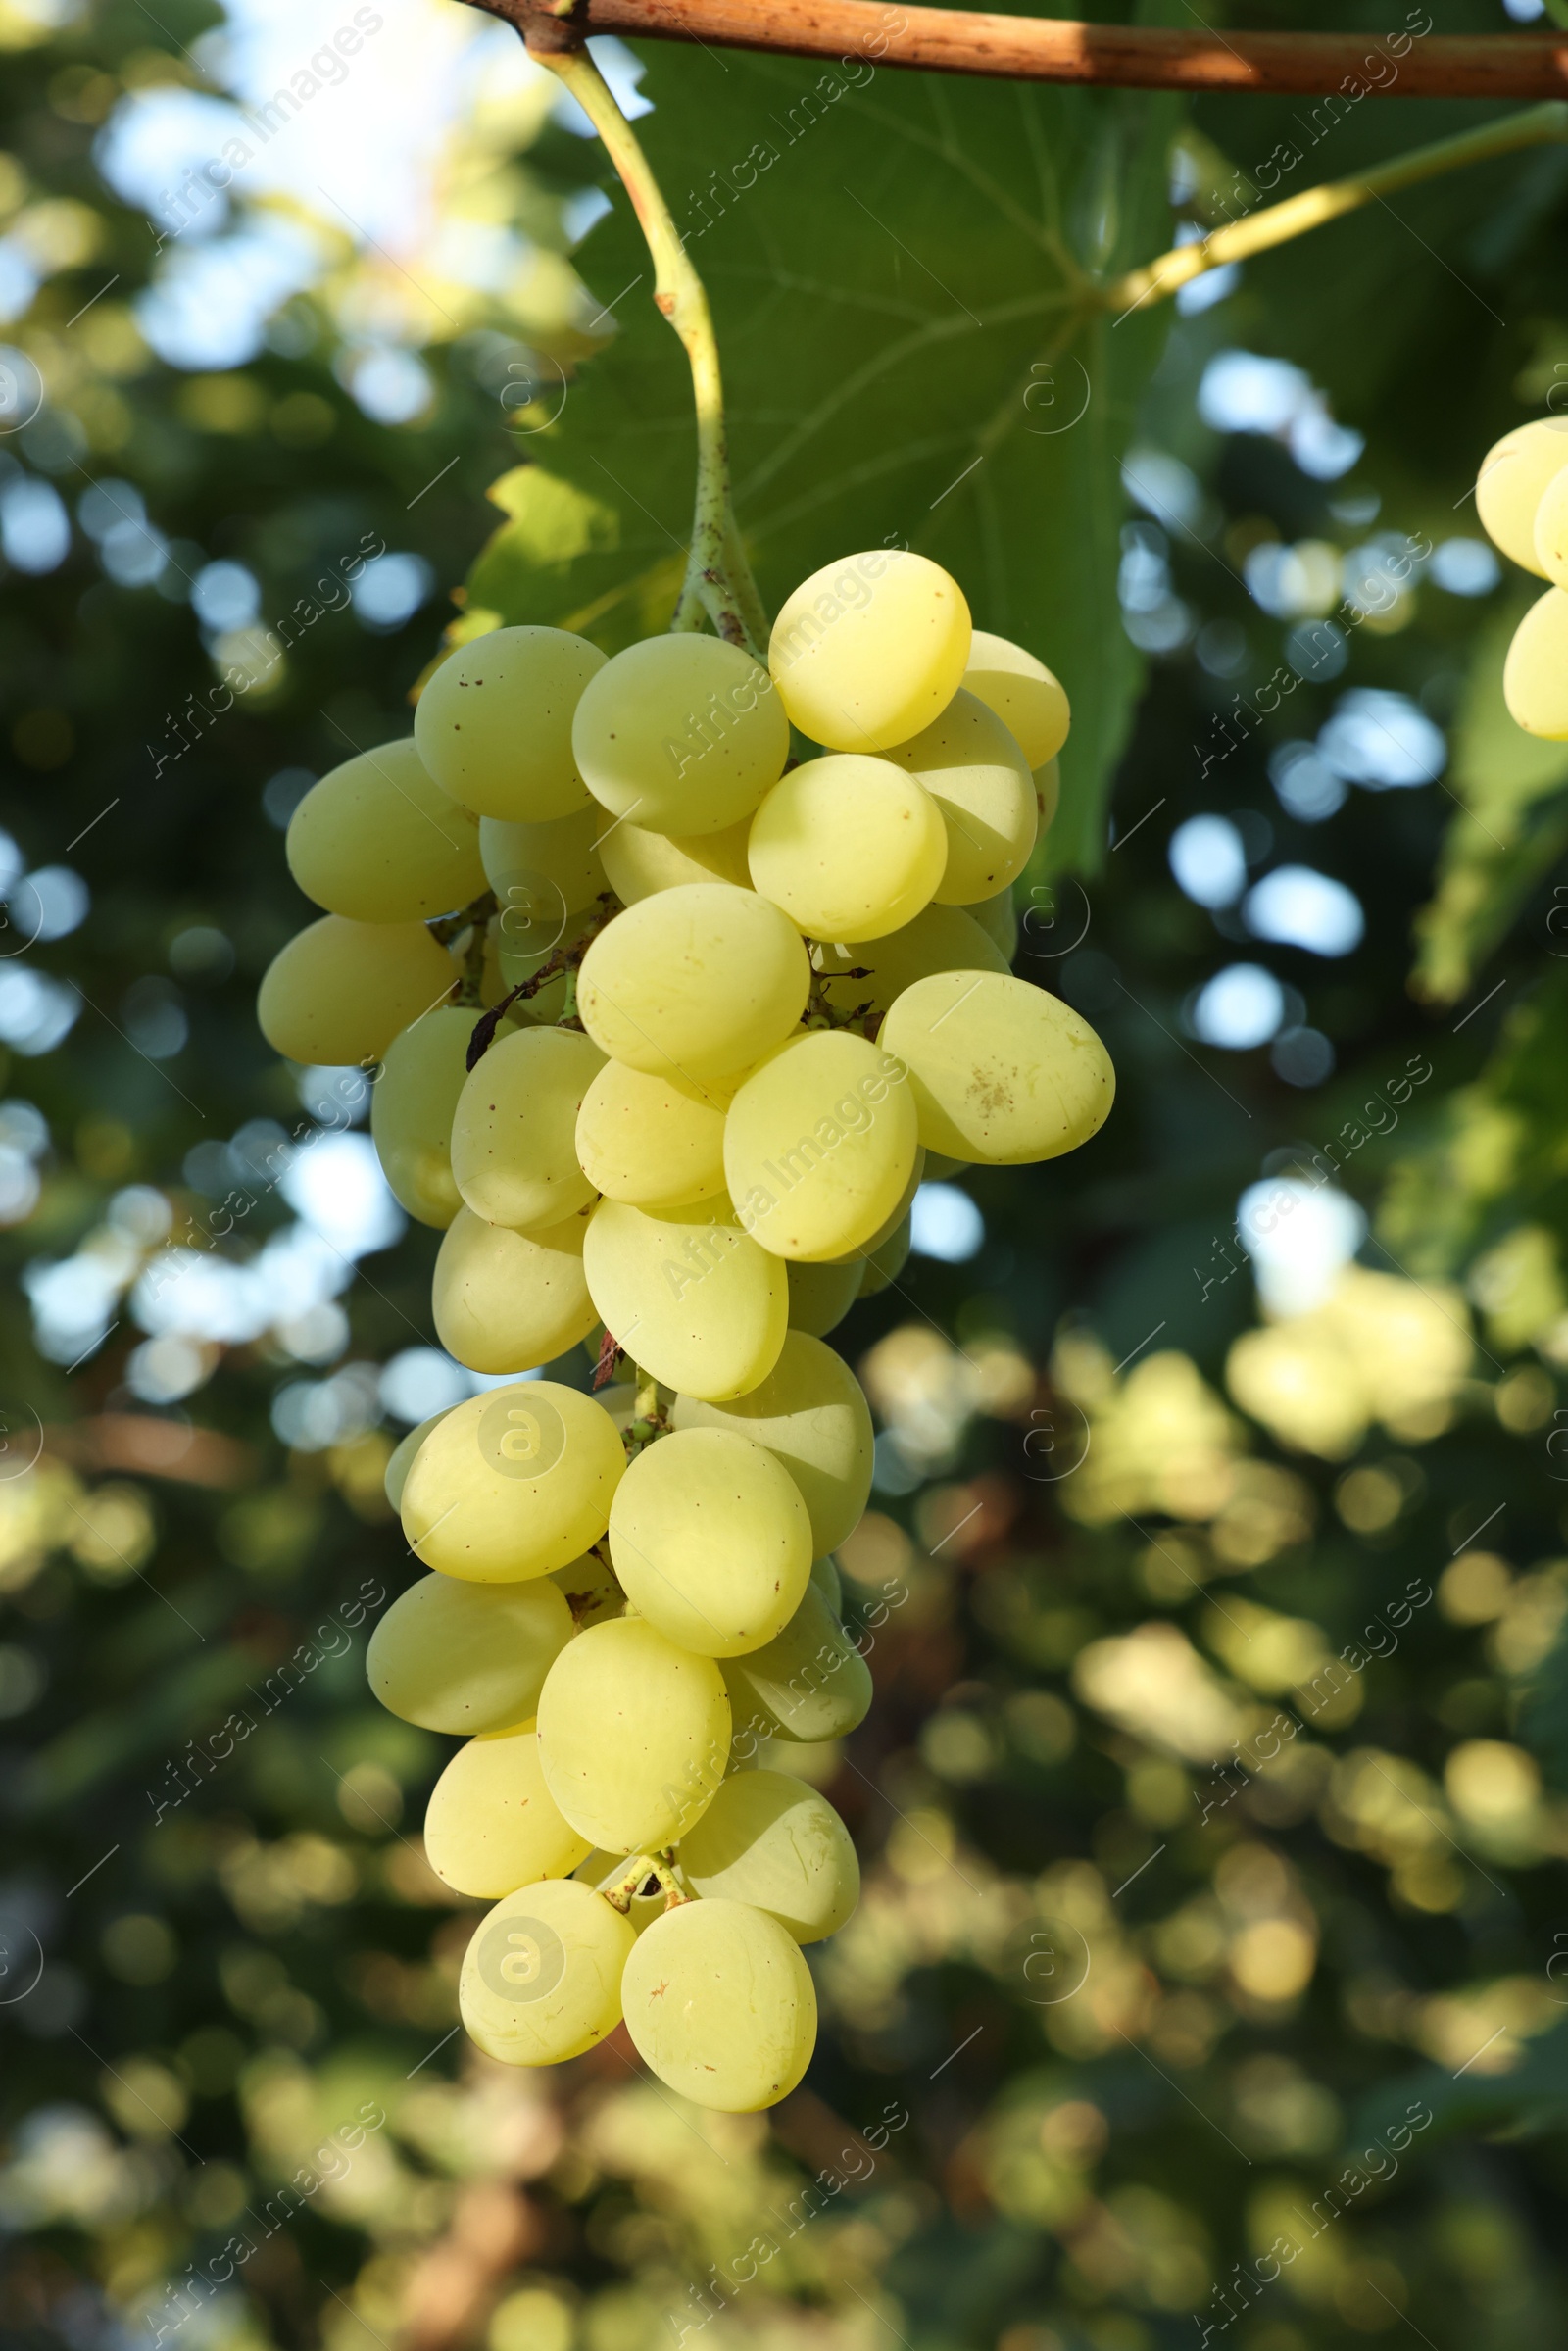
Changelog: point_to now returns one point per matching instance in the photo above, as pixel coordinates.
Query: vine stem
(719, 582)
(1021, 48)
(1278, 224)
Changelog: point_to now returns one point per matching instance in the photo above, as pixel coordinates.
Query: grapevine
(710, 970)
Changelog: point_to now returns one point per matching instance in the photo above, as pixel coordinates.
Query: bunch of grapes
(1522, 499)
(707, 1016)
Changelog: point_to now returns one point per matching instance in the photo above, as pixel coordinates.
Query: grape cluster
(668, 1080)
(1522, 501)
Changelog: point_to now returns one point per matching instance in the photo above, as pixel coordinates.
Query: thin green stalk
(718, 579)
(1157, 280)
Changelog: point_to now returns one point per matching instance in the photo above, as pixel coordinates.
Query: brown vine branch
(1403, 63)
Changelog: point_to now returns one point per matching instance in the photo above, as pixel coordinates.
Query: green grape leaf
(1510, 830)
(898, 266)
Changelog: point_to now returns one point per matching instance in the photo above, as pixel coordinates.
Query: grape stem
(649, 1416)
(660, 1865)
(564, 960)
(1278, 224)
(719, 584)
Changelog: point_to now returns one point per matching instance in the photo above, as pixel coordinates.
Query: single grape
(466, 1657)
(881, 1266)
(1025, 695)
(809, 1681)
(633, 1735)
(638, 863)
(688, 1295)
(340, 991)
(849, 847)
(541, 872)
(1001, 1072)
(694, 983)
(812, 1416)
(494, 722)
(506, 1301)
(412, 1109)
(998, 917)
(491, 1823)
(379, 841)
(541, 1978)
(982, 784)
(513, 1152)
(720, 2005)
(653, 1141)
(770, 1840)
(684, 733)
(939, 939)
(513, 1484)
(1535, 675)
(869, 650)
(1515, 474)
(711, 1540)
(401, 1460)
(818, 1146)
(820, 1295)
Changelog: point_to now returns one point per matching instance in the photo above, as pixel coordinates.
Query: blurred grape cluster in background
(1210, 1973)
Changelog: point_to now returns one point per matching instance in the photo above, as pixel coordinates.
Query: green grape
(1001, 1072)
(881, 1266)
(826, 1580)
(1514, 477)
(1535, 675)
(711, 1540)
(653, 1141)
(633, 1732)
(513, 1157)
(513, 1484)
(981, 783)
(539, 872)
(402, 1461)
(771, 1841)
(589, 1586)
(688, 1295)
(998, 917)
(1024, 694)
(541, 1978)
(684, 732)
(720, 2005)
(694, 983)
(605, 1871)
(851, 848)
(340, 991)
(412, 1110)
(1047, 791)
(639, 863)
(379, 841)
(494, 722)
(812, 1416)
(466, 1657)
(820, 1295)
(809, 1681)
(491, 1823)
(509, 1302)
(869, 650)
(939, 939)
(818, 1146)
